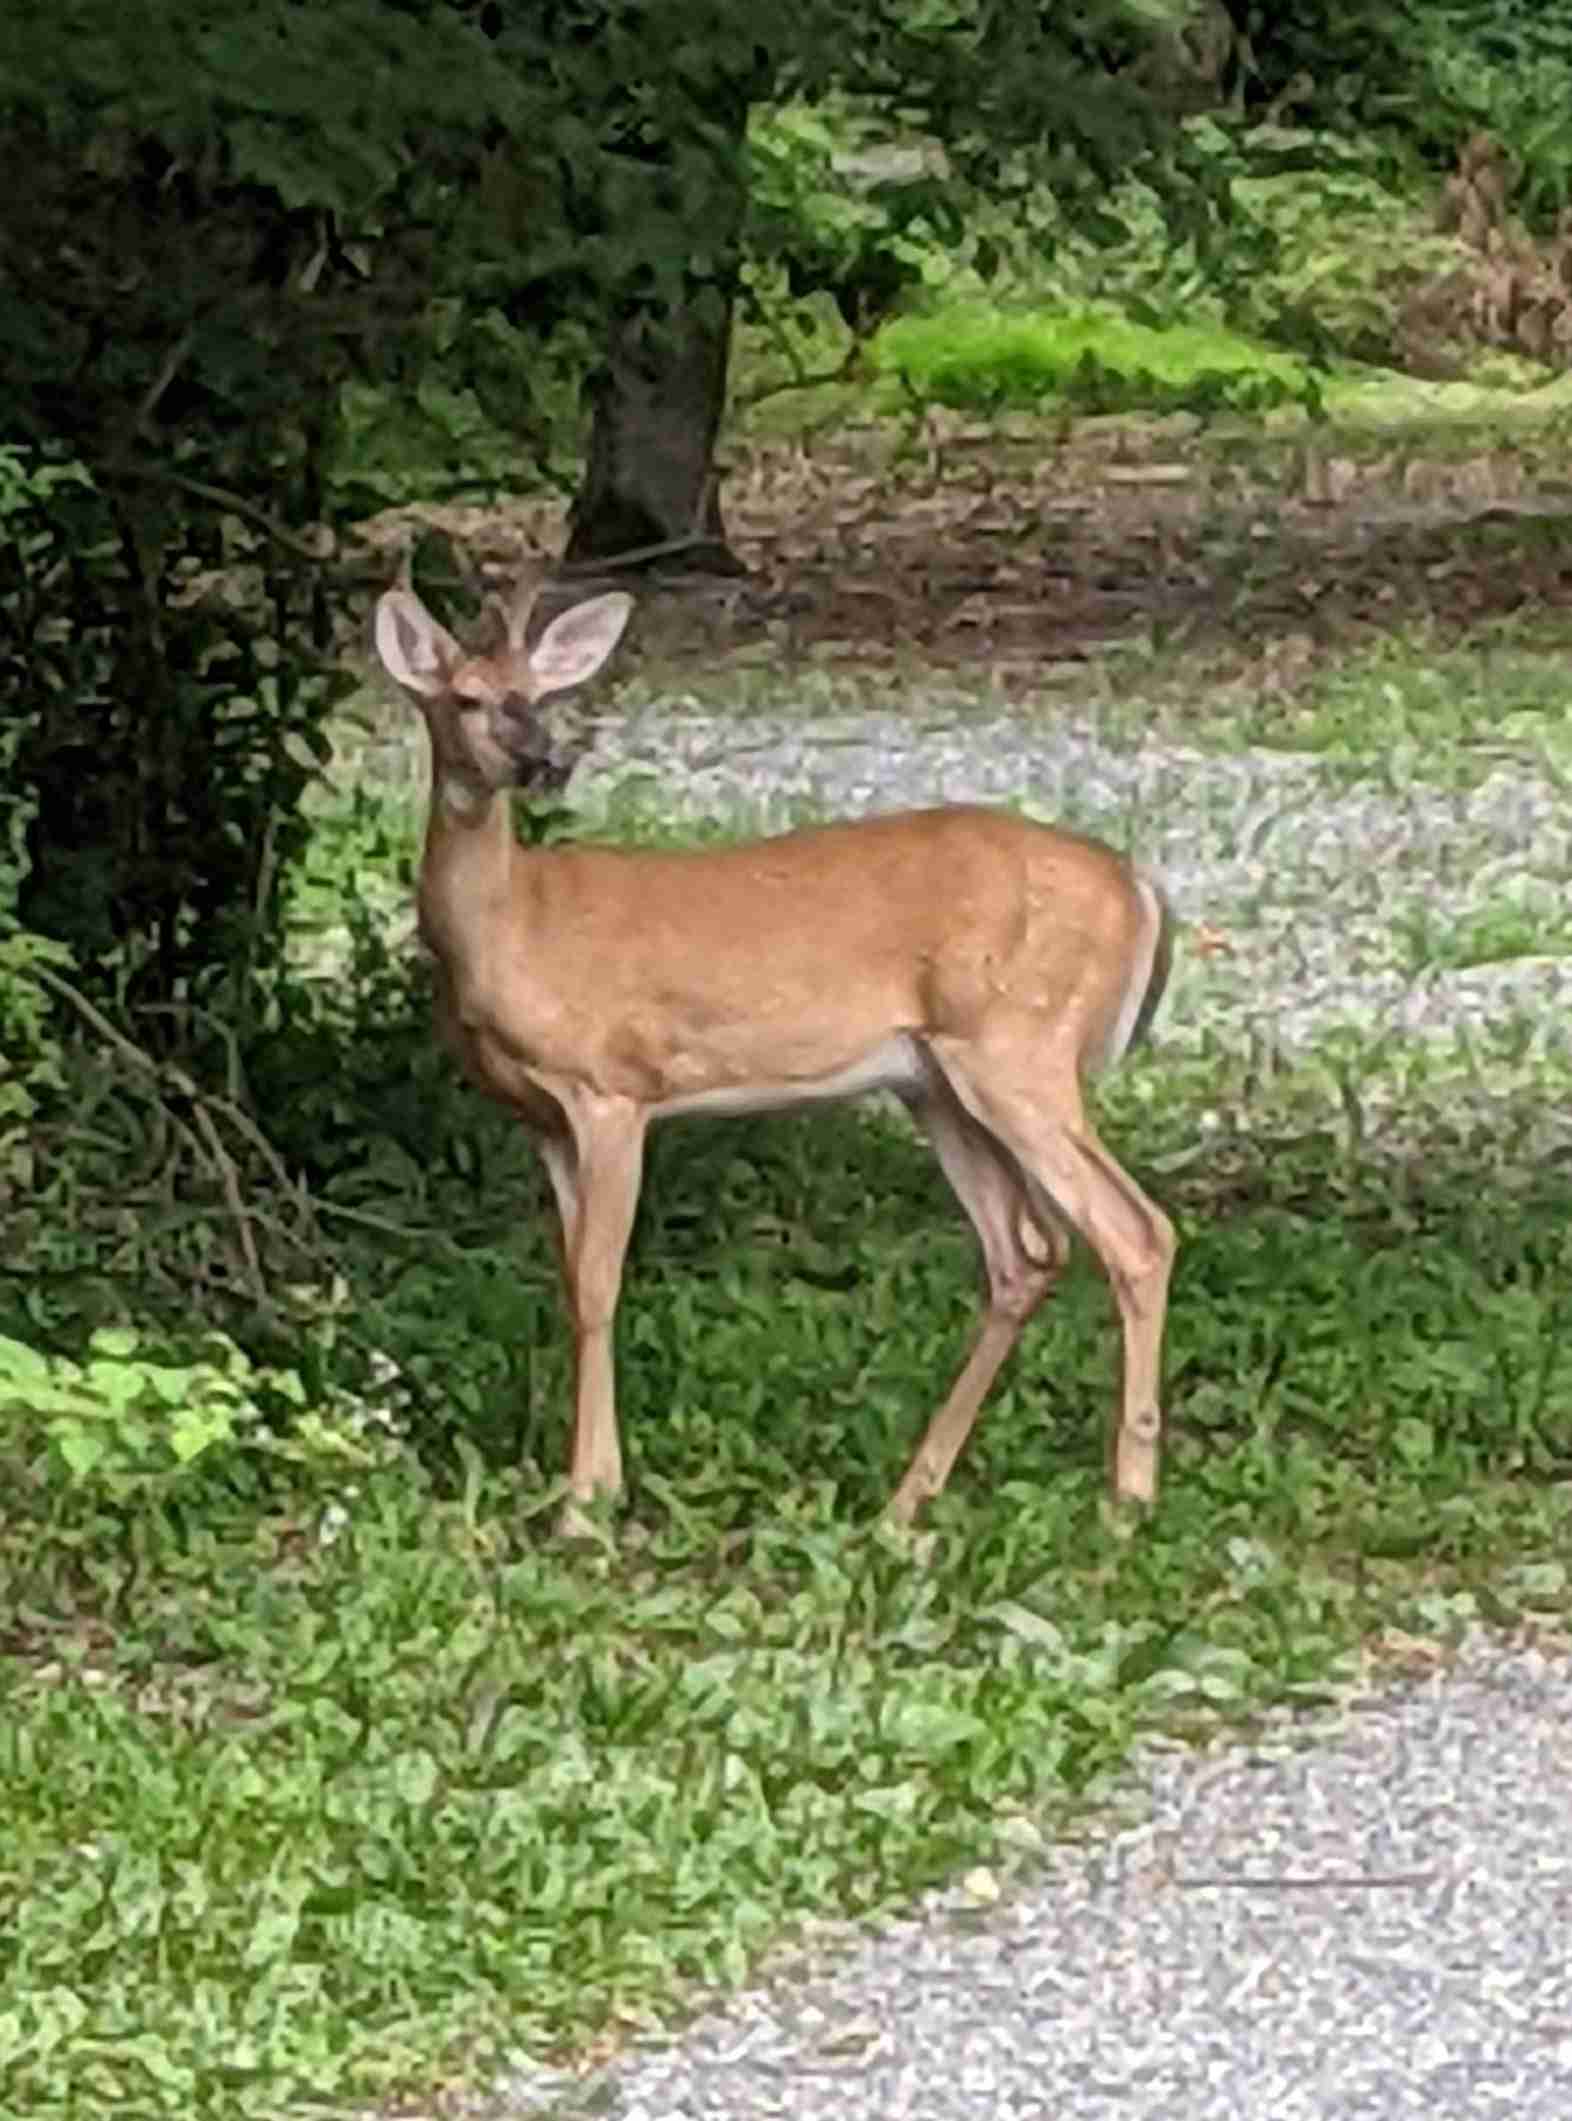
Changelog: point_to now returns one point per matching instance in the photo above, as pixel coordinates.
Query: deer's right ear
(577, 642)
(416, 652)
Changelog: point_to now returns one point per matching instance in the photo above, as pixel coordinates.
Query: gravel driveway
(1370, 1915)
(1368, 1918)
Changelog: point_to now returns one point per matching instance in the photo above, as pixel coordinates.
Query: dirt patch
(1009, 549)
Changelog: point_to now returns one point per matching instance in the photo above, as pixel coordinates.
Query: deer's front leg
(595, 1174)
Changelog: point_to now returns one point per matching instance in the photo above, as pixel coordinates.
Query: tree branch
(232, 503)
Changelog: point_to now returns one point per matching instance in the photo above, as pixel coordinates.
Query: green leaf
(115, 1342)
(81, 1447)
(415, 1777)
(21, 1363)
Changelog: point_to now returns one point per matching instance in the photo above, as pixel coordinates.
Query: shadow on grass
(800, 1292)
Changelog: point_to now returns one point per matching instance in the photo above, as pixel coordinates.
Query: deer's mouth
(539, 759)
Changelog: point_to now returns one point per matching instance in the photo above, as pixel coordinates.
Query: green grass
(1532, 920)
(981, 357)
(1417, 706)
(329, 1773)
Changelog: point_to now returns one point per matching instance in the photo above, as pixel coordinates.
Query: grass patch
(1430, 709)
(1531, 920)
(1436, 417)
(976, 357)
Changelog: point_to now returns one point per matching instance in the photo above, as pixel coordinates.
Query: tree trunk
(657, 407)
(659, 397)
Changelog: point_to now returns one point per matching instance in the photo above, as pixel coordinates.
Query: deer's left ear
(415, 651)
(576, 643)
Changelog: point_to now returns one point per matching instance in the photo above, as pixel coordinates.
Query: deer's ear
(574, 645)
(416, 652)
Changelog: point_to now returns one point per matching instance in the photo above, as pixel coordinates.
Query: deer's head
(481, 708)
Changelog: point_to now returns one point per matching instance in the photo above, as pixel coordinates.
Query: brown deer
(977, 965)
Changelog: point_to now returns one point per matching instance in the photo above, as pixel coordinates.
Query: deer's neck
(469, 872)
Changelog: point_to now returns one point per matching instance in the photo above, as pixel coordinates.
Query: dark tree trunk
(659, 397)
(657, 406)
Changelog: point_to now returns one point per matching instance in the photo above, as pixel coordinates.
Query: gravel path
(1369, 1915)
(1372, 1926)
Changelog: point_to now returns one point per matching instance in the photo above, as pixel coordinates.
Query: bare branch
(232, 503)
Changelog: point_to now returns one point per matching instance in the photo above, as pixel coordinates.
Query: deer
(982, 967)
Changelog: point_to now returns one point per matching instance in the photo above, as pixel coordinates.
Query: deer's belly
(895, 1064)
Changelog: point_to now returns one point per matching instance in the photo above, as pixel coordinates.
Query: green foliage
(1098, 363)
(1425, 74)
(1530, 920)
(1507, 70)
(163, 740)
(1350, 249)
(30, 1051)
(836, 227)
(321, 118)
(1428, 709)
(168, 344)
(439, 439)
(1334, 253)
(352, 997)
(215, 222)
(129, 1423)
(31, 1060)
